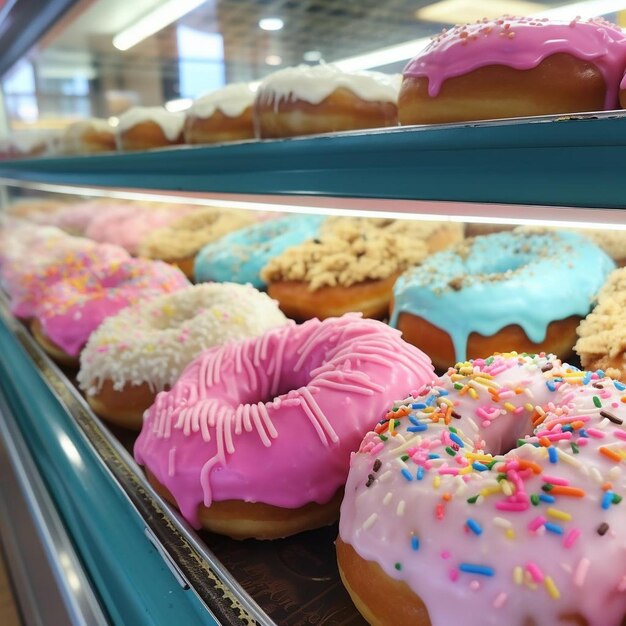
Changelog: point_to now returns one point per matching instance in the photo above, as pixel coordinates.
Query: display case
(87, 537)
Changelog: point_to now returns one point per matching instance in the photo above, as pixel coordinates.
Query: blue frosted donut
(481, 286)
(240, 256)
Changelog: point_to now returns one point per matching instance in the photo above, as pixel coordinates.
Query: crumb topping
(603, 331)
(191, 232)
(351, 251)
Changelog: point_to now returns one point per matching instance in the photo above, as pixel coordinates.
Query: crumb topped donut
(255, 437)
(220, 116)
(524, 290)
(179, 242)
(602, 334)
(514, 66)
(143, 349)
(306, 100)
(352, 266)
(493, 496)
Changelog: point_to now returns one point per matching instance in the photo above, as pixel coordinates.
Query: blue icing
(240, 256)
(485, 284)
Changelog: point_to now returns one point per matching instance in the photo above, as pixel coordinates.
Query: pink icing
(534, 523)
(522, 43)
(71, 309)
(274, 419)
(29, 283)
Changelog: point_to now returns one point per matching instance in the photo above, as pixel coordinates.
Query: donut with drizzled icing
(493, 496)
(254, 439)
(514, 67)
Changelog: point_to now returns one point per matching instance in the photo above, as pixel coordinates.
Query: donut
(71, 309)
(179, 242)
(144, 348)
(493, 496)
(613, 242)
(240, 256)
(352, 266)
(512, 67)
(30, 282)
(524, 290)
(221, 116)
(254, 439)
(602, 334)
(88, 137)
(143, 128)
(306, 100)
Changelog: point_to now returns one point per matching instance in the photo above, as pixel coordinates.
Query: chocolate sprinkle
(598, 385)
(547, 367)
(455, 414)
(377, 465)
(370, 479)
(611, 417)
(602, 529)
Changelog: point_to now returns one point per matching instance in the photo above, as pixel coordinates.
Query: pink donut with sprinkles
(254, 439)
(71, 309)
(493, 496)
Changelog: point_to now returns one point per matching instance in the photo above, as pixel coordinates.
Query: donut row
(491, 69)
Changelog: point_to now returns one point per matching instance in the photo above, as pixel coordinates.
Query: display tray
(559, 160)
(292, 581)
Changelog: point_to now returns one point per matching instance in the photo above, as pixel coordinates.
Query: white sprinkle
(502, 522)
(614, 472)
(506, 488)
(568, 458)
(400, 508)
(596, 475)
(474, 585)
(370, 521)
(500, 600)
(387, 498)
(385, 476)
(472, 423)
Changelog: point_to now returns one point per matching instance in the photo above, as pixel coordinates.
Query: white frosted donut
(493, 496)
(142, 350)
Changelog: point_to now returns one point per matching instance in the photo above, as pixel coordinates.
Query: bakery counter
(138, 560)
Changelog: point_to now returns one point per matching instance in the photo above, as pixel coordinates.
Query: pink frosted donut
(493, 496)
(255, 437)
(29, 284)
(71, 309)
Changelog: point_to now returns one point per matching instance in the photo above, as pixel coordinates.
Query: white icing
(231, 100)
(171, 123)
(28, 140)
(314, 83)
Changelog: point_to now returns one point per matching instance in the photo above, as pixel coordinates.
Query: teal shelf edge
(129, 576)
(545, 161)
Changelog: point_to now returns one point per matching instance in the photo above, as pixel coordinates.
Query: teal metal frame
(546, 161)
(130, 577)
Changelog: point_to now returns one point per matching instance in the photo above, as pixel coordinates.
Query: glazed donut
(513, 67)
(143, 349)
(602, 334)
(143, 128)
(493, 496)
(352, 266)
(520, 289)
(240, 256)
(72, 308)
(32, 281)
(254, 439)
(179, 242)
(88, 137)
(307, 100)
(221, 116)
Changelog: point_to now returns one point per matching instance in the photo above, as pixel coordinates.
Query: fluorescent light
(312, 56)
(461, 11)
(408, 49)
(273, 59)
(271, 23)
(180, 104)
(153, 22)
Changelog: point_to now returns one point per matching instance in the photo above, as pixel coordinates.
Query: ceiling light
(273, 59)
(312, 56)
(179, 104)
(461, 11)
(271, 23)
(153, 22)
(408, 49)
